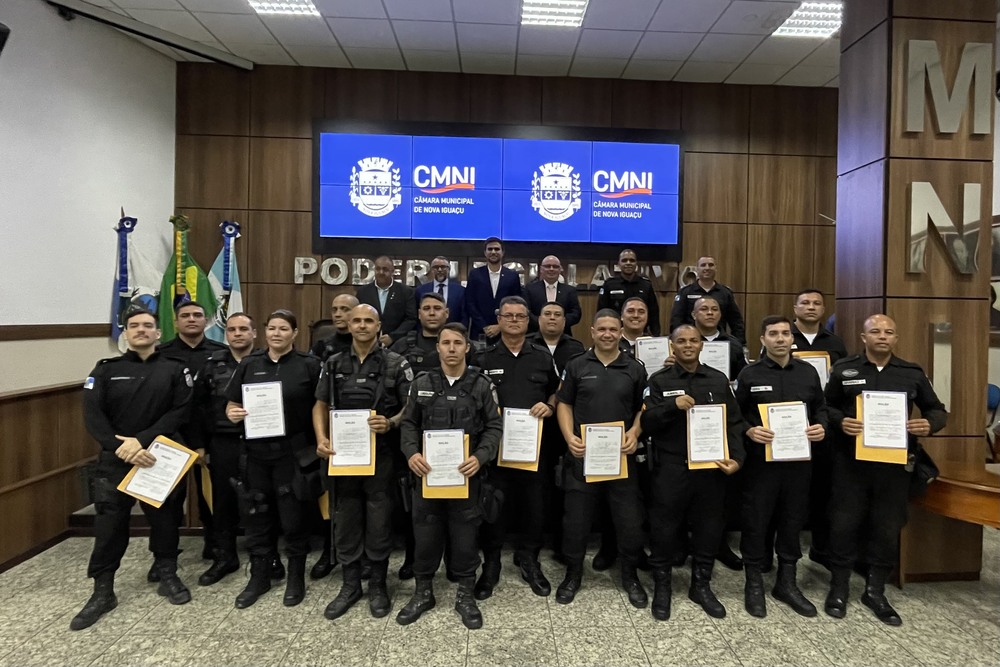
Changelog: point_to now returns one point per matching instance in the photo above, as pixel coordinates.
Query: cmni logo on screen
(433, 181)
(614, 185)
(555, 191)
(375, 188)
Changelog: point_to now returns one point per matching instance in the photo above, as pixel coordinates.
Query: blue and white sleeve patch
(88, 383)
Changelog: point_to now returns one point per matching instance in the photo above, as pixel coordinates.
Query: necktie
(550, 292)
(441, 289)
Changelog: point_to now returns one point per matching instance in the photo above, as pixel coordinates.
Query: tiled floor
(944, 624)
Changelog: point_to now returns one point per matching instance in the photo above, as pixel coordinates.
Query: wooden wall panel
(205, 237)
(860, 271)
(860, 18)
(278, 236)
(33, 514)
(281, 174)
(775, 131)
(715, 187)
(212, 172)
(567, 101)
(864, 107)
(782, 190)
(715, 118)
(727, 243)
(505, 99)
(851, 315)
(647, 104)
(261, 299)
(74, 445)
(951, 36)
(361, 94)
(825, 262)
(826, 191)
(285, 100)
(780, 258)
(434, 96)
(963, 10)
(27, 421)
(212, 99)
(760, 306)
(826, 121)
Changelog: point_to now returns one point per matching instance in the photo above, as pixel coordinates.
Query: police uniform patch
(88, 383)
(850, 373)
(187, 378)
(408, 373)
(763, 387)
(848, 383)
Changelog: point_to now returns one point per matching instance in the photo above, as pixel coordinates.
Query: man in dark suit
(484, 289)
(394, 302)
(549, 289)
(450, 290)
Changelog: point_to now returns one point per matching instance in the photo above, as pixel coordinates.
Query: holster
(406, 491)
(307, 484)
(490, 498)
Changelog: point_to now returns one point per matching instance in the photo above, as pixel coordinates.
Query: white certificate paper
(652, 351)
(520, 436)
(350, 438)
(706, 433)
(884, 415)
(156, 481)
(716, 354)
(265, 414)
(789, 423)
(444, 451)
(602, 449)
(822, 366)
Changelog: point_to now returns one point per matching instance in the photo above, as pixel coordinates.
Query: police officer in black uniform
(872, 491)
(340, 339)
(778, 491)
(525, 377)
(454, 396)
(128, 402)
(601, 385)
(682, 497)
(627, 284)
(420, 345)
(635, 323)
(706, 314)
(551, 335)
(705, 285)
(223, 442)
(365, 377)
(276, 487)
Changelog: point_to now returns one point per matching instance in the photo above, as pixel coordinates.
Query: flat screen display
(520, 189)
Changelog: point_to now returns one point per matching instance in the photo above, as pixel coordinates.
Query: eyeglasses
(511, 317)
(551, 266)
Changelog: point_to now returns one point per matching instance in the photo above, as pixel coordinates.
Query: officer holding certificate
(128, 401)
(872, 491)
(707, 314)
(525, 378)
(684, 497)
(600, 386)
(365, 377)
(454, 396)
(778, 466)
(272, 394)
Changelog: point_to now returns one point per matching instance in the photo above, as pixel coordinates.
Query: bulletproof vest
(219, 374)
(362, 391)
(420, 359)
(451, 406)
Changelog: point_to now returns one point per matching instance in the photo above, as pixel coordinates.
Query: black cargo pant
(270, 471)
(774, 494)
(362, 512)
(523, 511)
(685, 499)
(224, 465)
(437, 520)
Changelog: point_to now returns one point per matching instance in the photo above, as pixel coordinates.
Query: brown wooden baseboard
(34, 551)
(50, 331)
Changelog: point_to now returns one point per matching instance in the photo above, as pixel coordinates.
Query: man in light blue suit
(451, 290)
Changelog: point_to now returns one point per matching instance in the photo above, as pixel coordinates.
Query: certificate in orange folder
(354, 443)
(604, 436)
(152, 485)
(884, 438)
(708, 440)
(521, 444)
(444, 451)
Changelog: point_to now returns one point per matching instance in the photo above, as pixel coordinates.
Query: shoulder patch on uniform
(88, 383)
(408, 372)
(600, 291)
(677, 298)
(850, 373)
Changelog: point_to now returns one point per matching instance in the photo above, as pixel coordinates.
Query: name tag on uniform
(424, 393)
(694, 296)
(850, 382)
(763, 387)
(121, 377)
(617, 291)
(675, 392)
(361, 380)
(495, 371)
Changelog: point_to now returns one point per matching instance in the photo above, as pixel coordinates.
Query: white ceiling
(682, 40)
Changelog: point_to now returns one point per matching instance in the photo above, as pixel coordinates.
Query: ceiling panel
(667, 45)
(425, 10)
(488, 11)
(364, 33)
(724, 48)
(375, 58)
(243, 28)
(431, 61)
(754, 18)
(484, 38)
(488, 63)
(804, 75)
(608, 68)
(427, 35)
(620, 14)
(534, 65)
(180, 23)
(781, 50)
(148, 4)
(652, 70)
(298, 31)
(687, 16)
(318, 56)
(827, 54)
(545, 41)
(221, 6)
(705, 72)
(357, 9)
(262, 54)
(607, 43)
(757, 74)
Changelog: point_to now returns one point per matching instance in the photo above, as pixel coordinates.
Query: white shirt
(550, 291)
(810, 337)
(494, 280)
(712, 337)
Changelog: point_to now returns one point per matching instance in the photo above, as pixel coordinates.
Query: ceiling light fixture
(293, 7)
(813, 19)
(564, 13)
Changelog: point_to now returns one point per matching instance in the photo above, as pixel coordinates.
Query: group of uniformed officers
(432, 377)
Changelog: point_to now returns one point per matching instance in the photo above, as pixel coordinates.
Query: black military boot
(295, 587)
(224, 563)
(490, 576)
(661, 593)
(633, 587)
(607, 553)
(406, 569)
(277, 568)
(701, 591)
(840, 588)
(728, 557)
(260, 581)
(350, 592)
(753, 592)
(171, 586)
(874, 596)
(465, 604)
(787, 591)
(153, 576)
(378, 597)
(571, 584)
(531, 572)
(101, 602)
(422, 600)
(366, 568)
(324, 566)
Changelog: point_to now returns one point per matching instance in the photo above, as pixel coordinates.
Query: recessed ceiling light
(813, 19)
(565, 13)
(296, 7)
